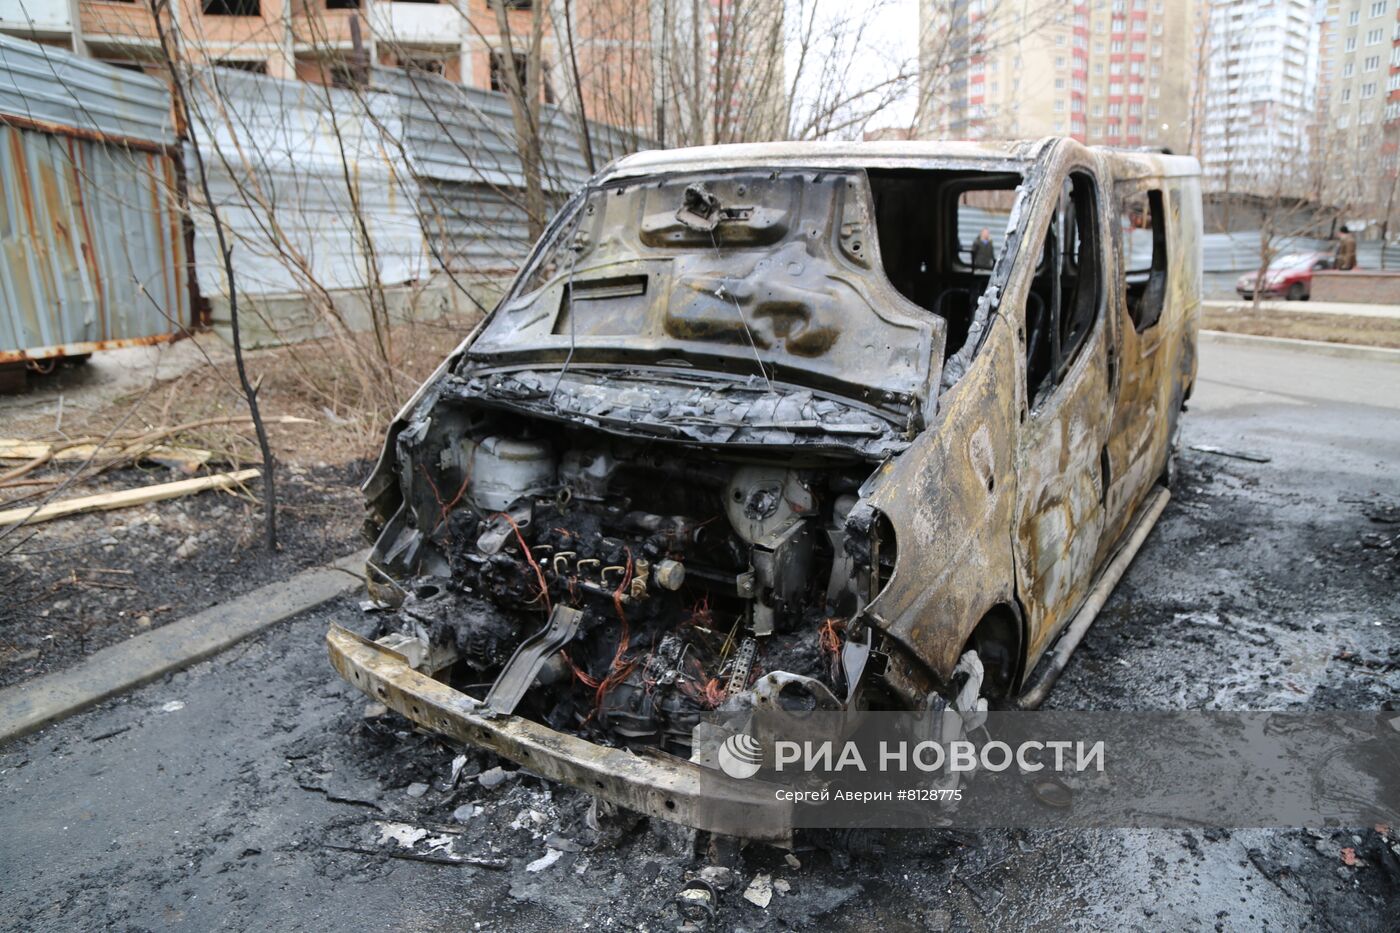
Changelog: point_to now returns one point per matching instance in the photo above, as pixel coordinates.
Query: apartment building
(331, 41)
(1261, 81)
(1359, 101)
(319, 40)
(1113, 72)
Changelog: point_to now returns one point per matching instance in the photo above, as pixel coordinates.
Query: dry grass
(349, 409)
(1302, 325)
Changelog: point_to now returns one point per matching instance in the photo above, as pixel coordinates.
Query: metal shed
(92, 246)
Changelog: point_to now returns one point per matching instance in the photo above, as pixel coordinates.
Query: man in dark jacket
(983, 255)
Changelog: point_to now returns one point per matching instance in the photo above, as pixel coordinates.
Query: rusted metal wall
(92, 254)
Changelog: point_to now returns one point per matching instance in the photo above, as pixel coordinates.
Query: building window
(231, 7)
(498, 70)
(1374, 36)
(428, 65)
(1351, 44)
(1348, 69)
(1368, 90)
(343, 75)
(521, 70)
(1059, 84)
(1354, 18)
(1346, 94)
(1378, 8)
(1059, 61)
(1060, 106)
(1373, 62)
(253, 67)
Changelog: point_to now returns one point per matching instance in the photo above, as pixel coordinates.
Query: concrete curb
(1330, 308)
(28, 706)
(1316, 347)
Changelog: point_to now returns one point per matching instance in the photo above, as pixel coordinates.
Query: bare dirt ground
(76, 584)
(1301, 325)
(253, 791)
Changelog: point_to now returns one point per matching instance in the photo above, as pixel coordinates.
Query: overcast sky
(891, 32)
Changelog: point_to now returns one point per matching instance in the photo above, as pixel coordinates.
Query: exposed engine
(620, 589)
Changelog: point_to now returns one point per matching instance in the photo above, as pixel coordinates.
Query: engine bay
(618, 588)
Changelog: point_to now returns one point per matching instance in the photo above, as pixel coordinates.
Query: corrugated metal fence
(334, 188)
(91, 249)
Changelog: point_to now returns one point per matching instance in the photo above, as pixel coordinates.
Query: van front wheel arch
(997, 639)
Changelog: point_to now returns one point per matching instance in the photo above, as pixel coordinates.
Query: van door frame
(1059, 507)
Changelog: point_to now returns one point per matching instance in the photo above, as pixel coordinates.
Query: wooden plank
(188, 459)
(126, 498)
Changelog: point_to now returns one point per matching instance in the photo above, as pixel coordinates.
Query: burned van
(869, 426)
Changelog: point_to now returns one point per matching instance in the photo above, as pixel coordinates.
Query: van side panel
(951, 499)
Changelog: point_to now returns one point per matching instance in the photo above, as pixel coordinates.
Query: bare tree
(177, 67)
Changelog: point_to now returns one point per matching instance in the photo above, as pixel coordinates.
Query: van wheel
(1169, 467)
(1295, 292)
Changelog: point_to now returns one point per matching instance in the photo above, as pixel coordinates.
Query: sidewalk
(1309, 307)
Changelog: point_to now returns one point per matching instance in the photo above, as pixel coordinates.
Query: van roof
(1013, 154)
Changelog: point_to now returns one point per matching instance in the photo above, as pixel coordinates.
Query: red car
(1289, 275)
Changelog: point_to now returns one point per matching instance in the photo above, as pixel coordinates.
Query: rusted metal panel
(90, 238)
(78, 95)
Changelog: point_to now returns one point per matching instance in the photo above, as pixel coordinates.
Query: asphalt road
(215, 798)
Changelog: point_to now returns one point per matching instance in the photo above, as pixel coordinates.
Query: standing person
(1346, 252)
(983, 255)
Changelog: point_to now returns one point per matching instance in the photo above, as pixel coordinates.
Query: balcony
(113, 28)
(417, 24)
(38, 19)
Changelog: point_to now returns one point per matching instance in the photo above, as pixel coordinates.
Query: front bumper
(657, 784)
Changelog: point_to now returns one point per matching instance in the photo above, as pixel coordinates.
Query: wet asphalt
(218, 797)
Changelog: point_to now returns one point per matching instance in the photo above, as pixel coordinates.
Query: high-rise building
(1359, 103)
(1260, 92)
(1114, 72)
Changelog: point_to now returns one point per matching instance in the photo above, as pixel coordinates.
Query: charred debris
(611, 584)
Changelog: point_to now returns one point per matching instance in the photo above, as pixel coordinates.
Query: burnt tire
(1167, 478)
